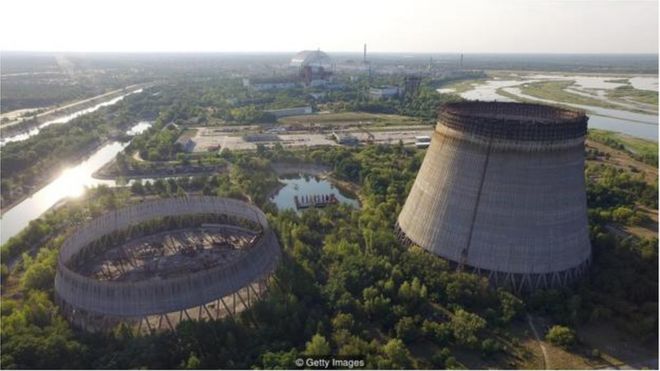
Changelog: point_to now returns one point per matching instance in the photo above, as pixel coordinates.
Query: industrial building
(309, 68)
(314, 67)
(501, 192)
(271, 83)
(422, 141)
(384, 92)
(411, 84)
(186, 142)
(345, 138)
(261, 137)
(208, 260)
(293, 111)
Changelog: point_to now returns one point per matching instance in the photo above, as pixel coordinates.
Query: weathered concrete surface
(157, 296)
(503, 202)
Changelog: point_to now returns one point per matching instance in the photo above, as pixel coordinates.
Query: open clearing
(351, 118)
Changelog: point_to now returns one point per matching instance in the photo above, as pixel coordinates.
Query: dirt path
(546, 358)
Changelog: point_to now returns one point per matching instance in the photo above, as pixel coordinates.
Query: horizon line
(325, 51)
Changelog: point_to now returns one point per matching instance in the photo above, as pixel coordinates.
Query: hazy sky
(469, 26)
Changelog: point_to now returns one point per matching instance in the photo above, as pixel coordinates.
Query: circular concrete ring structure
(156, 295)
(501, 192)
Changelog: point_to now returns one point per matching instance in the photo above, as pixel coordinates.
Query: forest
(345, 285)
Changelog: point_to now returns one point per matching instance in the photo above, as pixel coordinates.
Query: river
(71, 183)
(639, 125)
(635, 124)
(64, 119)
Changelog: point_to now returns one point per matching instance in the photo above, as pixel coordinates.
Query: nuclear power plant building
(501, 192)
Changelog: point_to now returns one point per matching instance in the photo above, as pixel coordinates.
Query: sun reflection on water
(71, 183)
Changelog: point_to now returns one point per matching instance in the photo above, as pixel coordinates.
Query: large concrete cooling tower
(501, 192)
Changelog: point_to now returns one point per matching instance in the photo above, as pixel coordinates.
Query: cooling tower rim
(146, 297)
(514, 121)
(528, 112)
(508, 144)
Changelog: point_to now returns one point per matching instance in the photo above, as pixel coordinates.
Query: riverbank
(20, 126)
(69, 177)
(108, 172)
(285, 168)
(46, 179)
(609, 99)
(560, 91)
(346, 187)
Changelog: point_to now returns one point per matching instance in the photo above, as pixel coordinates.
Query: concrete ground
(209, 139)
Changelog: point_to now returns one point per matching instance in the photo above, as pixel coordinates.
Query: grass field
(618, 81)
(640, 149)
(463, 85)
(614, 349)
(554, 90)
(636, 95)
(504, 93)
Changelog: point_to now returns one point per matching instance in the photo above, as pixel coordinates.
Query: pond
(304, 185)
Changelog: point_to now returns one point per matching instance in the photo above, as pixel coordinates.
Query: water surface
(72, 182)
(307, 185)
(64, 119)
(639, 125)
(636, 124)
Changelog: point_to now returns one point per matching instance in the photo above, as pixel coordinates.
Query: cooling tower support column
(501, 193)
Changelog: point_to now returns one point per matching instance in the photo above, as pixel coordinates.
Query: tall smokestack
(364, 59)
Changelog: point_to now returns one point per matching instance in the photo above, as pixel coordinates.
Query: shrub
(561, 336)
(489, 347)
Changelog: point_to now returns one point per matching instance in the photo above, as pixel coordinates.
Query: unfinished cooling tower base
(156, 263)
(517, 282)
(227, 306)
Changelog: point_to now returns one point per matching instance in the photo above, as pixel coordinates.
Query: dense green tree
(318, 346)
(279, 360)
(489, 347)
(192, 363)
(397, 354)
(466, 327)
(510, 305)
(407, 330)
(439, 333)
